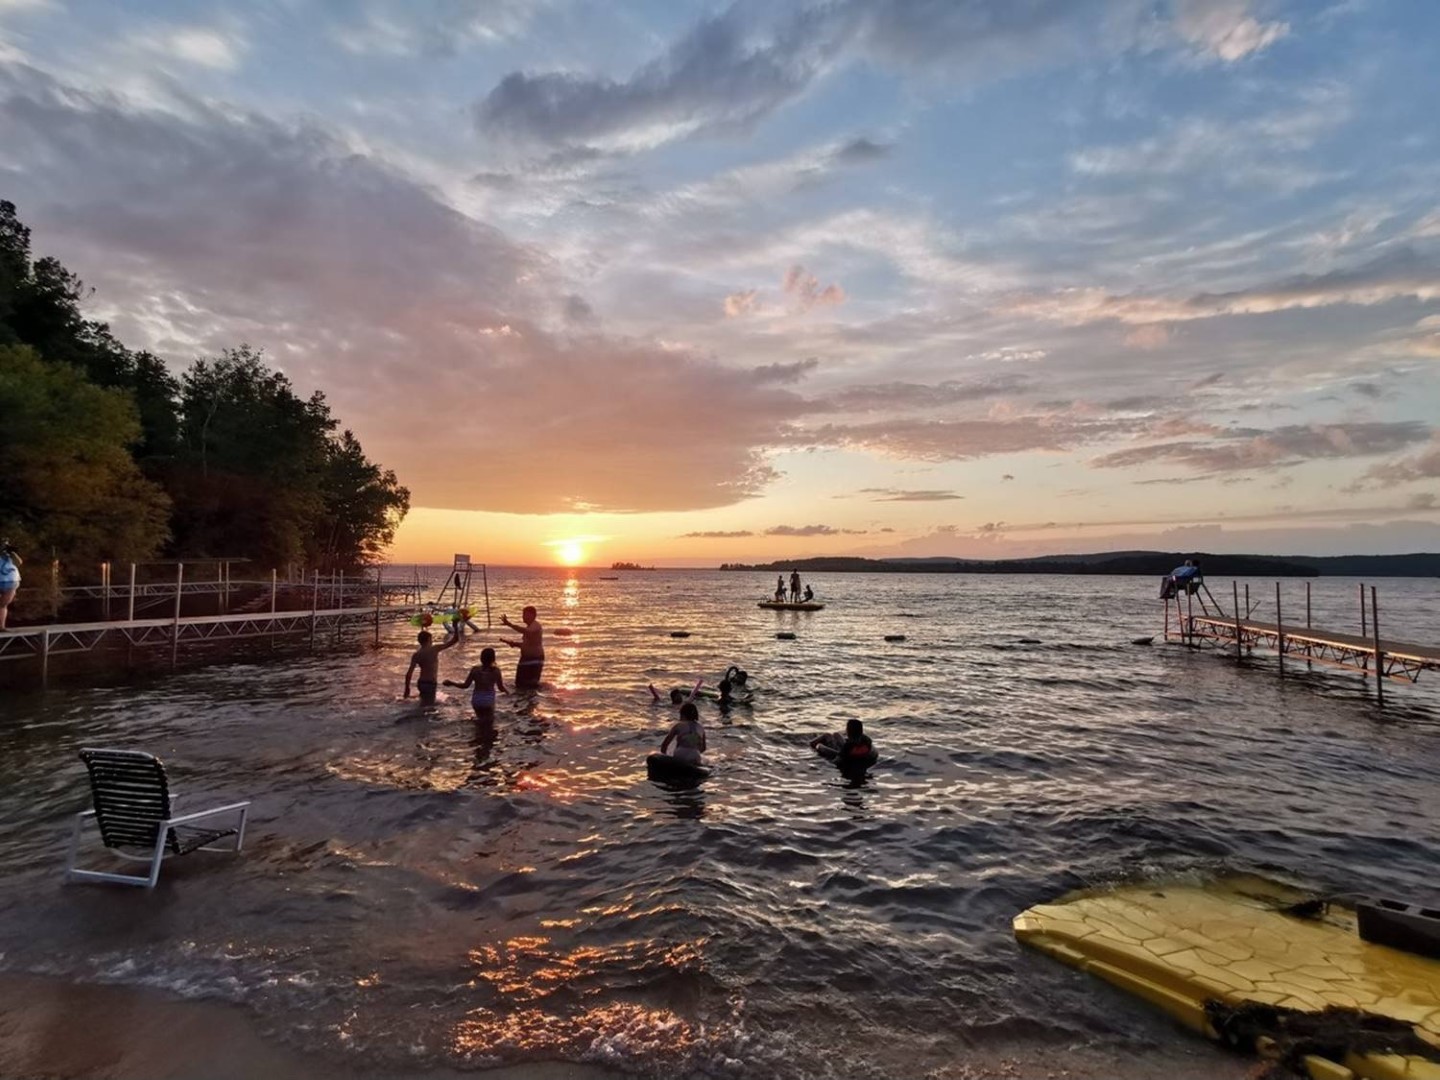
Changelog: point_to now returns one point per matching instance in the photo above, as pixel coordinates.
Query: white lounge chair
(133, 811)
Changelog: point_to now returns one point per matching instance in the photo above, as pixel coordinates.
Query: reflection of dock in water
(1366, 653)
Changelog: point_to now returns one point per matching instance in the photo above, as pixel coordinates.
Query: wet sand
(62, 1031)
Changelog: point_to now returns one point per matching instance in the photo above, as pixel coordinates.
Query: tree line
(107, 455)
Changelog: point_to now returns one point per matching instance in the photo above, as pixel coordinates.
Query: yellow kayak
(1232, 945)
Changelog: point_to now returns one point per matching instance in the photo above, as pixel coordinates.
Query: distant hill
(1124, 562)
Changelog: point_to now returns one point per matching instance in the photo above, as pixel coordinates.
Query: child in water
(486, 678)
(678, 696)
(854, 749)
(687, 735)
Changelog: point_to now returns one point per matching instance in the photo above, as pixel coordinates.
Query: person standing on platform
(9, 578)
(532, 649)
(795, 586)
(779, 588)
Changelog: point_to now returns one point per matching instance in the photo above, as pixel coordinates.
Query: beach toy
(1261, 966)
(828, 747)
(664, 767)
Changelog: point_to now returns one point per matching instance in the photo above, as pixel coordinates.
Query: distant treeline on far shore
(1424, 564)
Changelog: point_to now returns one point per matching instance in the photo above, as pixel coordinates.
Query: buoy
(679, 633)
(1029, 640)
(785, 635)
(563, 631)
(427, 619)
(1143, 641)
(894, 637)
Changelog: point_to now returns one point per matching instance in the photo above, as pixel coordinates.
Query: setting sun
(569, 553)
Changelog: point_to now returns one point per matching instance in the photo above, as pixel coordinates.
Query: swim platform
(1202, 951)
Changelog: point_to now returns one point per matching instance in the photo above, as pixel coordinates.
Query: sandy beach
(63, 1031)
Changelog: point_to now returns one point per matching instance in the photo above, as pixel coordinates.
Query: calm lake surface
(417, 893)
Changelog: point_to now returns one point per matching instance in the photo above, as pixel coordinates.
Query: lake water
(415, 893)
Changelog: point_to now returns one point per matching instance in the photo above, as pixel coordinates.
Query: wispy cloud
(1249, 448)
(716, 534)
(903, 495)
(1225, 29)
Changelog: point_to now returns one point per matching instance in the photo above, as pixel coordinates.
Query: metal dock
(1367, 653)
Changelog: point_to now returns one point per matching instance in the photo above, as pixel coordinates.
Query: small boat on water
(796, 605)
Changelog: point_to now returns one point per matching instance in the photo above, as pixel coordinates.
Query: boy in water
(677, 695)
(532, 649)
(687, 735)
(427, 659)
(854, 749)
(486, 679)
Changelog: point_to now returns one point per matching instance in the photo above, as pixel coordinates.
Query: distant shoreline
(1422, 564)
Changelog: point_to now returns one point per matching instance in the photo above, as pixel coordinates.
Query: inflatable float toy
(666, 768)
(786, 605)
(828, 747)
(434, 618)
(1263, 968)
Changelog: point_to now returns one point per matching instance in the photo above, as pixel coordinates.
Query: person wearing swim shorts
(486, 678)
(10, 562)
(687, 735)
(427, 659)
(532, 649)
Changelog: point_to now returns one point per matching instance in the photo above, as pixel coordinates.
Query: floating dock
(1367, 653)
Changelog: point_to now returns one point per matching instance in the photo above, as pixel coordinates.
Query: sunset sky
(685, 283)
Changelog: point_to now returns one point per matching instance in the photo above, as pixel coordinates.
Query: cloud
(721, 75)
(1225, 29)
(861, 151)
(811, 530)
(202, 47)
(901, 495)
(357, 279)
(805, 291)
(1424, 465)
(436, 28)
(785, 373)
(1007, 476)
(1250, 448)
(729, 71)
(962, 439)
(1404, 274)
(1149, 336)
(716, 535)
(907, 396)
(742, 303)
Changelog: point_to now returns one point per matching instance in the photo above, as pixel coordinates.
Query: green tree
(40, 307)
(70, 484)
(363, 506)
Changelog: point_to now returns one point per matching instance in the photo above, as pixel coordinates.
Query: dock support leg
(314, 608)
(1235, 589)
(1363, 627)
(45, 659)
(1279, 631)
(1308, 665)
(175, 623)
(379, 585)
(1379, 656)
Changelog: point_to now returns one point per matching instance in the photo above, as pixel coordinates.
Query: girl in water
(486, 678)
(687, 735)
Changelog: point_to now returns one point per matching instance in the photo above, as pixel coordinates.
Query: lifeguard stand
(455, 593)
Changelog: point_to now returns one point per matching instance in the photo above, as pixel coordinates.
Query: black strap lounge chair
(134, 812)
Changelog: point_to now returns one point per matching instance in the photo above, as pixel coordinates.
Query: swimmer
(427, 659)
(486, 678)
(532, 649)
(688, 737)
(677, 695)
(854, 749)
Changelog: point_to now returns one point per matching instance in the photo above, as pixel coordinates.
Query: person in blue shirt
(10, 562)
